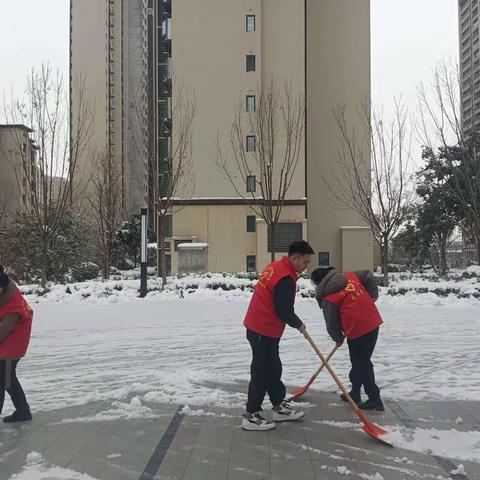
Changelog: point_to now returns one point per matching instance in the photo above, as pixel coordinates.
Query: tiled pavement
(171, 446)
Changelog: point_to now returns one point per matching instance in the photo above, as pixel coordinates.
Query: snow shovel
(300, 391)
(373, 430)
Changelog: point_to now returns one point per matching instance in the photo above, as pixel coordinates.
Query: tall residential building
(223, 51)
(469, 39)
(18, 172)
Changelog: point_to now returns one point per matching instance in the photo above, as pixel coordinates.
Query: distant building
(18, 172)
(224, 50)
(469, 40)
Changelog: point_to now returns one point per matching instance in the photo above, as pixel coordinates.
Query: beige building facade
(18, 172)
(225, 52)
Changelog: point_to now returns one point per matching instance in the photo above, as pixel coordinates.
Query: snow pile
(37, 468)
(460, 470)
(343, 470)
(366, 476)
(416, 288)
(443, 443)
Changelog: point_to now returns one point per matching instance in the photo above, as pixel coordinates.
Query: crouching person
(347, 301)
(15, 326)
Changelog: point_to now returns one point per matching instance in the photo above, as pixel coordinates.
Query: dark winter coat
(332, 283)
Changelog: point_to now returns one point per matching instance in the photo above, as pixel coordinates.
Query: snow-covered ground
(170, 349)
(133, 353)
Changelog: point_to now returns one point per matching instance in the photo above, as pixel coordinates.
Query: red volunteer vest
(358, 312)
(16, 344)
(261, 316)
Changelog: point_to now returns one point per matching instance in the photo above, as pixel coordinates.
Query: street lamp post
(143, 255)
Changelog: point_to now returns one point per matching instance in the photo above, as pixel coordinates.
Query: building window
(251, 184)
(251, 143)
(251, 223)
(285, 234)
(251, 103)
(250, 23)
(323, 259)
(168, 225)
(251, 61)
(251, 263)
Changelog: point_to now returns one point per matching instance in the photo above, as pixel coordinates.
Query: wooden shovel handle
(333, 374)
(330, 355)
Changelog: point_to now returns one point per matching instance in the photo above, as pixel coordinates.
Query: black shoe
(372, 405)
(20, 415)
(356, 397)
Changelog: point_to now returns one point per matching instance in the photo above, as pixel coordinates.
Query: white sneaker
(255, 422)
(286, 413)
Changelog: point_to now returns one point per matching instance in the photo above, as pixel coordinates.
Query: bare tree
(106, 204)
(263, 151)
(173, 176)
(380, 194)
(59, 145)
(441, 129)
(5, 192)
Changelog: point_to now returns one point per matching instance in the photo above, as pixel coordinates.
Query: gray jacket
(332, 283)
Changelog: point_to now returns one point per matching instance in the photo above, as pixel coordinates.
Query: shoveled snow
(37, 468)
(366, 476)
(460, 470)
(443, 443)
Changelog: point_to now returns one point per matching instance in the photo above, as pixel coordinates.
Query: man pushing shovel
(271, 309)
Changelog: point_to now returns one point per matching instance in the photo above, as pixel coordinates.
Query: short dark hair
(319, 274)
(300, 248)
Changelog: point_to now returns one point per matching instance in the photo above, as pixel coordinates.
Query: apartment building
(18, 172)
(223, 51)
(469, 41)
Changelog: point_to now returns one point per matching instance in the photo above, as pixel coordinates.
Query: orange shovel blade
(375, 431)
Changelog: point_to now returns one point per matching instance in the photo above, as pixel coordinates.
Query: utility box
(192, 257)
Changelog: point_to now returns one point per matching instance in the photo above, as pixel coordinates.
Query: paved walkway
(173, 446)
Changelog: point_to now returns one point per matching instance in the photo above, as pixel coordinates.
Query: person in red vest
(15, 326)
(271, 309)
(348, 304)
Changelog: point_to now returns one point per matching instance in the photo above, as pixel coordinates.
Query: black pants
(361, 350)
(15, 390)
(266, 372)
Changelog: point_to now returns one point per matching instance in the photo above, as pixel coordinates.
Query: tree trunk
(385, 252)
(43, 280)
(272, 236)
(162, 253)
(477, 241)
(443, 255)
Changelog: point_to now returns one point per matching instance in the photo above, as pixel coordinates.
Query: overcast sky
(408, 37)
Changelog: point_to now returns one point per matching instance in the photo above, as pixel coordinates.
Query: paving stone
(215, 447)
(289, 469)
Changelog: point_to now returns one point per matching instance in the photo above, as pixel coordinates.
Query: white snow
(37, 468)
(366, 476)
(442, 443)
(192, 246)
(165, 349)
(460, 470)
(343, 470)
